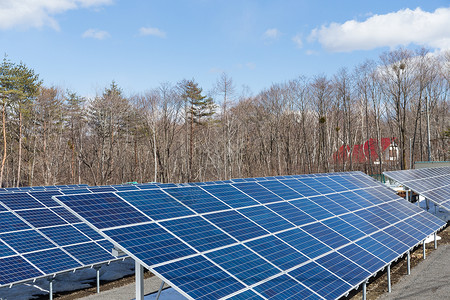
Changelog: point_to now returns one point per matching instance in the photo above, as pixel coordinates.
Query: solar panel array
(432, 183)
(302, 238)
(41, 188)
(39, 237)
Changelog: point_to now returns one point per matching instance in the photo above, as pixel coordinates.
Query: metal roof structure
(431, 183)
(309, 237)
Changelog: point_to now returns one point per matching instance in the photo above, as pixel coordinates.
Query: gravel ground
(428, 280)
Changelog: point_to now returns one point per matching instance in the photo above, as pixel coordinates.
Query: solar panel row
(45, 237)
(307, 237)
(38, 238)
(431, 183)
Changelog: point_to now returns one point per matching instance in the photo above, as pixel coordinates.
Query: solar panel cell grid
(284, 287)
(53, 260)
(258, 192)
(15, 268)
(41, 217)
(197, 199)
(317, 278)
(205, 237)
(138, 239)
(157, 204)
(230, 195)
(243, 263)
(210, 283)
(236, 225)
(26, 241)
(277, 252)
(10, 222)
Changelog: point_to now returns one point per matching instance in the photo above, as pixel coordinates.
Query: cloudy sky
(83, 45)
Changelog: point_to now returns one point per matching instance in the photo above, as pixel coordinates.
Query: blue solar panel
(41, 217)
(345, 181)
(244, 264)
(300, 188)
(65, 235)
(139, 239)
(88, 231)
(15, 268)
(330, 205)
(156, 204)
(362, 257)
(320, 280)
(246, 295)
(89, 253)
(65, 214)
(266, 218)
(343, 228)
(205, 237)
(312, 209)
(9, 222)
(281, 190)
(105, 210)
(317, 185)
(46, 197)
(304, 242)
(200, 278)
(284, 287)
(19, 201)
(230, 195)
(197, 199)
(51, 261)
(50, 229)
(344, 268)
(5, 250)
(26, 241)
(257, 192)
(277, 252)
(236, 225)
(291, 213)
(327, 235)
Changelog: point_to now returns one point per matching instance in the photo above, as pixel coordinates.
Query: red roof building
(368, 152)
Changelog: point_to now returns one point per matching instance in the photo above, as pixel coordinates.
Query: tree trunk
(4, 143)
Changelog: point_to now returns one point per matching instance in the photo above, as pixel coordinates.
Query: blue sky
(83, 45)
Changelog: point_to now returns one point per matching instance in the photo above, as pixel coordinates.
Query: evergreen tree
(198, 108)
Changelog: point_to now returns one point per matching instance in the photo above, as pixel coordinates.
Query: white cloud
(152, 31)
(272, 34)
(96, 34)
(39, 13)
(298, 40)
(404, 27)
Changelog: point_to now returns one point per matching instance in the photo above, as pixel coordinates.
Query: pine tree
(199, 110)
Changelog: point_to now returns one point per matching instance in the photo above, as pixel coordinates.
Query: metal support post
(424, 253)
(389, 278)
(408, 263)
(364, 295)
(97, 271)
(407, 195)
(435, 240)
(50, 290)
(160, 290)
(139, 273)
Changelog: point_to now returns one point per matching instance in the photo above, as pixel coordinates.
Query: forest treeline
(177, 132)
